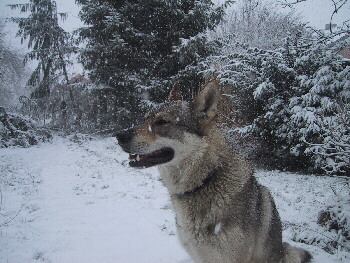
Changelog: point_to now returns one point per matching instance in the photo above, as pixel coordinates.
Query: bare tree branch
(11, 219)
(337, 5)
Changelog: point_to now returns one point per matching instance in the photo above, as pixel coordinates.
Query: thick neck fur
(203, 157)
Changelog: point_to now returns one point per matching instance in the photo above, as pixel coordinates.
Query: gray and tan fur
(223, 214)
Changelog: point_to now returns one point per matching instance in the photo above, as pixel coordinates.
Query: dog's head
(172, 132)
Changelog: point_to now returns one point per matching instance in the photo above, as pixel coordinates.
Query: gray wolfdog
(223, 215)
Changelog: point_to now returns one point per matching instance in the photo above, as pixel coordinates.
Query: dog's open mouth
(163, 155)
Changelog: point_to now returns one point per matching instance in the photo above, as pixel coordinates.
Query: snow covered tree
(321, 110)
(48, 42)
(293, 98)
(12, 73)
(138, 48)
(333, 153)
(257, 23)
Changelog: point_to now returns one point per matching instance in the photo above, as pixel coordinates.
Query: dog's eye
(161, 122)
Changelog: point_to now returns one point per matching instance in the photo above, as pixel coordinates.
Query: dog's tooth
(138, 158)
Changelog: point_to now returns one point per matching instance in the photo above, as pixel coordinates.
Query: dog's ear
(205, 103)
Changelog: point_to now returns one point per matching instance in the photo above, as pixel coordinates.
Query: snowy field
(78, 201)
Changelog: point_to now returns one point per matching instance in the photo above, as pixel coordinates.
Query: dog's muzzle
(124, 137)
(139, 160)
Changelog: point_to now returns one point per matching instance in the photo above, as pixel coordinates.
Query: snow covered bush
(18, 130)
(296, 99)
(336, 220)
(334, 236)
(320, 109)
(333, 154)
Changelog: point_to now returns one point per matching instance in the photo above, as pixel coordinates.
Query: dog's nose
(124, 137)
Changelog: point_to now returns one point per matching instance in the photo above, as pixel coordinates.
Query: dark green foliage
(139, 48)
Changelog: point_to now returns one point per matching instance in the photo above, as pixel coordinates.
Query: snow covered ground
(78, 201)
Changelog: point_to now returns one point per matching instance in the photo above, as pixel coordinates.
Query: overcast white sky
(316, 12)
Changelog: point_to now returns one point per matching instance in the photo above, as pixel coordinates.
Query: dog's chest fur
(209, 216)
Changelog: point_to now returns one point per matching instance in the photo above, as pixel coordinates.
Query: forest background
(285, 85)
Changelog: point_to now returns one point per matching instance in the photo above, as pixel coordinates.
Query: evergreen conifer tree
(48, 42)
(138, 48)
(12, 72)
